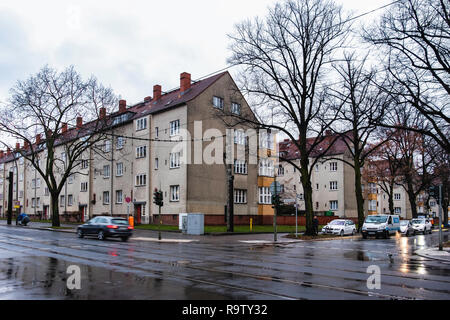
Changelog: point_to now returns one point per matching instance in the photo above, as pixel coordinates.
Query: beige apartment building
(332, 180)
(164, 143)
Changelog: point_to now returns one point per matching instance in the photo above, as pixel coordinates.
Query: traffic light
(158, 198)
(433, 191)
(276, 200)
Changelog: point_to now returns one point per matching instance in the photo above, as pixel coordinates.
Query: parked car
(340, 227)
(406, 228)
(106, 227)
(421, 225)
(381, 225)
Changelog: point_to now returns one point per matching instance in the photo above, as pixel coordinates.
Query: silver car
(406, 228)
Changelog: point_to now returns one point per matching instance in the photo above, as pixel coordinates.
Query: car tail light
(112, 227)
(130, 228)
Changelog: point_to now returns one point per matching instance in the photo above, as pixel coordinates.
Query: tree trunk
(307, 189)
(445, 203)
(359, 195)
(412, 198)
(391, 199)
(55, 210)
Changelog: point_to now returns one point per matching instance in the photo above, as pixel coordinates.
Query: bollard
(251, 224)
(131, 221)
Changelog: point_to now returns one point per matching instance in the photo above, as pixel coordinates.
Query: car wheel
(386, 234)
(424, 231)
(364, 236)
(80, 234)
(125, 239)
(101, 235)
(353, 232)
(341, 233)
(415, 232)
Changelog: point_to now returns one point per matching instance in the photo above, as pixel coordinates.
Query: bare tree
(43, 107)
(415, 36)
(359, 105)
(284, 62)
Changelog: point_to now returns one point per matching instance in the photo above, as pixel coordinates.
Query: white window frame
(175, 160)
(141, 124)
(106, 171)
(236, 108)
(119, 196)
(333, 166)
(333, 185)
(397, 210)
(334, 205)
(240, 137)
(240, 196)
(218, 102)
(141, 152)
(174, 128)
(106, 198)
(119, 169)
(120, 142)
(266, 167)
(264, 195)
(141, 180)
(397, 196)
(175, 193)
(240, 167)
(83, 187)
(70, 200)
(372, 205)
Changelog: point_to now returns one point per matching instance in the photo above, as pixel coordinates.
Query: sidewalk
(434, 253)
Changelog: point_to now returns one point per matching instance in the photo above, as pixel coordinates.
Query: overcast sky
(128, 45)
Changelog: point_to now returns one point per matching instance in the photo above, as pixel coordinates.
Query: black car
(106, 227)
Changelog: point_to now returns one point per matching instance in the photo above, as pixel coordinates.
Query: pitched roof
(167, 101)
(333, 142)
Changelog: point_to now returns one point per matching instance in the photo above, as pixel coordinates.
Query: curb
(424, 255)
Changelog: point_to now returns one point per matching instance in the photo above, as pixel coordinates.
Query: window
(333, 205)
(84, 164)
(265, 197)
(63, 157)
(317, 168)
(174, 128)
(174, 193)
(218, 102)
(266, 167)
(106, 171)
(373, 188)
(84, 187)
(46, 191)
(141, 124)
(106, 197)
(280, 171)
(333, 166)
(372, 205)
(70, 179)
(62, 201)
(240, 167)
(107, 146)
(120, 143)
(119, 169)
(119, 196)
(317, 186)
(236, 108)
(141, 152)
(21, 177)
(36, 183)
(70, 200)
(266, 139)
(397, 196)
(432, 203)
(239, 137)
(141, 180)
(157, 132)
(175, 160)
(333, 185)
(35, 202)
(240, 196)
(397, 210)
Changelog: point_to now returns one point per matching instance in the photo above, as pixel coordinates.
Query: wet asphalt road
(33, 265)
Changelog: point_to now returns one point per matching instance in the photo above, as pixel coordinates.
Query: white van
(381, 225)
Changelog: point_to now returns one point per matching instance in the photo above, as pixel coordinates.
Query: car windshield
(417, 221)
(119, 221)
(337, 223)
(404, 222)
(376, 219)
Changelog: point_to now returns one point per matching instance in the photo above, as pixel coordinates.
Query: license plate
(372, 232)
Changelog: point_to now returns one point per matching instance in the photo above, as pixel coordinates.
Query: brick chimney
(147, 99)
(64, 128)
(101, 116)
(156, 92)
(122, 106)
(185, 81)
(38, 139)
(79, 122)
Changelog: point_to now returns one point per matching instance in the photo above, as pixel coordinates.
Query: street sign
(275, 187)
(127, 199)
(289, 200)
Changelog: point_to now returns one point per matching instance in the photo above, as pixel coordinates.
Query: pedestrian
(316, 225)
(22, 219)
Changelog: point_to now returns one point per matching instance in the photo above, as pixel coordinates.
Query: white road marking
(163, 240)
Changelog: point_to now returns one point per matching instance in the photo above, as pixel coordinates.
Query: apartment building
(332, 180)
(173, 142)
